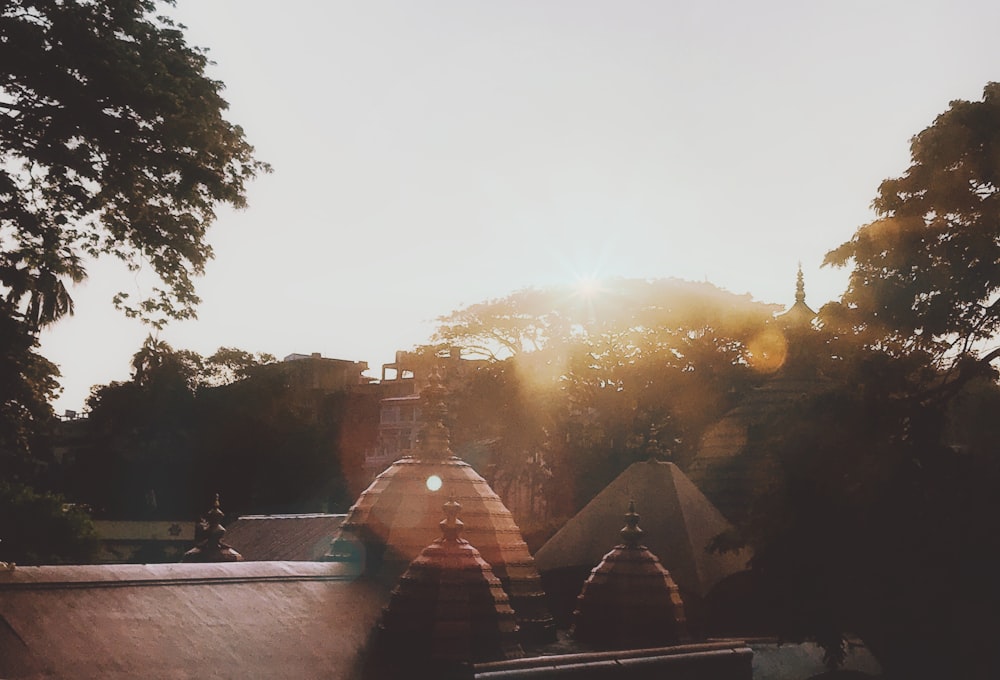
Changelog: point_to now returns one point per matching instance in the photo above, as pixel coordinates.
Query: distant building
(399, 402)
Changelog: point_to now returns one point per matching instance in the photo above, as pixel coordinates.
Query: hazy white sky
(431, 154)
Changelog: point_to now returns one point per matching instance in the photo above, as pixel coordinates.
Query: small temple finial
(209, 546)
(800, 286)
(435, 440)
(631, 533)
(451, 525)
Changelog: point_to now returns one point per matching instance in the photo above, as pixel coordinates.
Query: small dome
(208, 535)
(397, 516)
(629, 600)
(448, 607)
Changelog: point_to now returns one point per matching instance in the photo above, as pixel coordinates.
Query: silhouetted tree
(39, 528)
(587, 381)
(924, 274)
(884, 514)
(113, 141)
(170, 437)
(27, 385)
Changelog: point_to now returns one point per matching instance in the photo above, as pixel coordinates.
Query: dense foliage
(40, 528)
(585, 384)
(163, 443)
(924, 274)
(885, 516)
(112, 141)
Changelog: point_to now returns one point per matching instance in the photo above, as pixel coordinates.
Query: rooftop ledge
(122, 575)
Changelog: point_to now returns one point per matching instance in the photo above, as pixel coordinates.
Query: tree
(27, 386)
(621, 313)
(175, 434)
(40, 528)
(112, 141)
(924, 273)
(886, 506)
(587, 379)
(882, 528)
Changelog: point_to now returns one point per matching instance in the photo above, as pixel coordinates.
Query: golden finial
(800, 286)
(435, 439)
(631, 533)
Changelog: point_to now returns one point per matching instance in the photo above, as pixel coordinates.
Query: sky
(433, 154)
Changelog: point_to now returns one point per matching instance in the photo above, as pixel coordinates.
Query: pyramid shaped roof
(679, 523)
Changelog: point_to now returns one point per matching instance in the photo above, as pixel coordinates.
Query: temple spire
(435, 440)
(209, 546)
(631, 533)
(451, 525)
(800, 287)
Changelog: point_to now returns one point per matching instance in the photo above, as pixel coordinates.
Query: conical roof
(680, 523)
(397, 516)
(629, 600)
(208, 539)
(448, 607)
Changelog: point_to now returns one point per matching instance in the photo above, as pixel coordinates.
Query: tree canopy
(886, 501)
(625, 312)
(586, 381)
(113, 141)
(163, 442)
(924, 273)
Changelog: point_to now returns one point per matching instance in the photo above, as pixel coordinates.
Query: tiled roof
(223, 620)
(283, 537)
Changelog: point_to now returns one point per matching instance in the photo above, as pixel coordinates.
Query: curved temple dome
(629, 600)
(448, 608)
(397, 516)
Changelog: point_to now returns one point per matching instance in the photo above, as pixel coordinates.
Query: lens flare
(768, 351)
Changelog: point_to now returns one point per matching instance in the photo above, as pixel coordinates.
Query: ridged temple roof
(447, 608)
(397, 516)
(629, 600)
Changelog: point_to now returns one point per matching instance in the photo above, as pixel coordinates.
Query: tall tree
(112, 141)
(887, 507)
(588, 377)
(924, 273)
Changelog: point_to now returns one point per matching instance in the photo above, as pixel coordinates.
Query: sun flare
(587, 287)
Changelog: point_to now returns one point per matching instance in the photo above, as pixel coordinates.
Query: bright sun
(587, 287)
